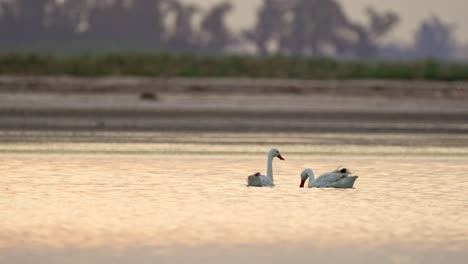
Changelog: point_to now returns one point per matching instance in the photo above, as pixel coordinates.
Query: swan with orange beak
(258, 180)
(339, 178)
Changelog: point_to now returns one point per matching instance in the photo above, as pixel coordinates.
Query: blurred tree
(31, 25)
(146, 22)
(128, 23)
(435, 39)
(362, 45)
(317, 23)
(8, 20)
(268, 31)
(182, 37)
(59, 22)
(380, 24)
(214, 32)
(108, 22)
(294, 27)
(316, 27)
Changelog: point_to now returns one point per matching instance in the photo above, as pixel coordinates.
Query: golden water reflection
(97, 198)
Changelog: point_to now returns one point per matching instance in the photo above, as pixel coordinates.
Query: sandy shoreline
(388, 88)
(235, 105)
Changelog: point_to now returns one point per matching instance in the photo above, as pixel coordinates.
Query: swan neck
(311, 178)
(270, 167)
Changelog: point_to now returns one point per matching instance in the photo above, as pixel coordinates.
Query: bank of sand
(235, 105)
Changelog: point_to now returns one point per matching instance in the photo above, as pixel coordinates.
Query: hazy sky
(411, 12)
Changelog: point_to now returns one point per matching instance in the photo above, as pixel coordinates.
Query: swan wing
(258, 180)
(266, 181)
(326, 179)
(254, 181)
(346, 182)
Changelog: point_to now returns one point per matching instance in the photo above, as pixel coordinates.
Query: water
(181, 198)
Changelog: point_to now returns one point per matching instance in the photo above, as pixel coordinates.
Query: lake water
(182, 198)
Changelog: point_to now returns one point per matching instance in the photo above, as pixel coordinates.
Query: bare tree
(8, 22)
(435, 39)
(317, 27)
(183, 36)
(380, 24)
(128, 23)
(271, 21)
(317, 23)
(32, 23)
(214, 32)
(294, 27)
(146, 22)
(59, 21)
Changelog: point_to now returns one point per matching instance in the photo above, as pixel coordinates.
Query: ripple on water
(175, 200)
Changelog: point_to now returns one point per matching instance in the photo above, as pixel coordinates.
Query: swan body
(339, 178)
(258, 180)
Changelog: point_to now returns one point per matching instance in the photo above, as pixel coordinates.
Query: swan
(339, 178)
(258, 180)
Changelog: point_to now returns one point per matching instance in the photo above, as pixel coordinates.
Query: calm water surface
(181, 198)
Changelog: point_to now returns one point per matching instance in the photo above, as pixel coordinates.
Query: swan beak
(280, 157)
(302, 184)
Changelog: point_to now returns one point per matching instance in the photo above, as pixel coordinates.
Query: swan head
(275, 153)
(305, 174)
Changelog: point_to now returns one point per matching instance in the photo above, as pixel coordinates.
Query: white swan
(258, 180)
(339, 178)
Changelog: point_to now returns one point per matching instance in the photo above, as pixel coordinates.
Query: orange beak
(302, 184)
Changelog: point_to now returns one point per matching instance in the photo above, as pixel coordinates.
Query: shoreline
(456, 90)
(232, 105)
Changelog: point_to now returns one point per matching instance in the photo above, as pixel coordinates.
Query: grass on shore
(166, 65)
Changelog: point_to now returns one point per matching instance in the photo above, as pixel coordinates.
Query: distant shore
(178, 104)
(386, 88)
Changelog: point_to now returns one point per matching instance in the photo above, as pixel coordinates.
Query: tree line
(295, 27)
